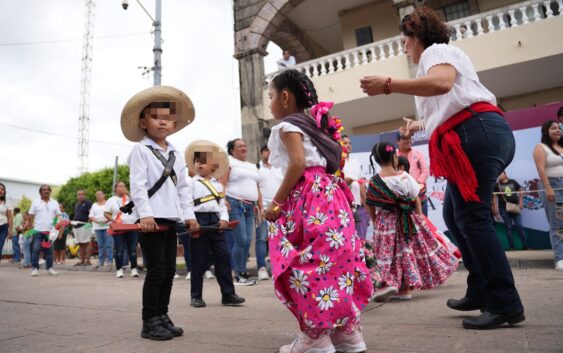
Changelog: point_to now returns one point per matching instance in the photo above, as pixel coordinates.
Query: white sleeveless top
(243, 180)
(278, 153)
(553, 163)
(466, 90)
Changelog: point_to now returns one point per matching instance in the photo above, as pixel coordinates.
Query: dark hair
(117, 183)
(345, 136)
(264, 148)
(383, 154)
(231, 146)
(425, 25)
(404, 162)
(546, 140)
(41, 187)
(157, 105)
(560, 111)
(17, 210)
(299, 84)
(3, 197)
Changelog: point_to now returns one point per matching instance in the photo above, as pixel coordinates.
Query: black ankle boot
(166, 322)
(488, 320)
(153, 329)
(465, 304)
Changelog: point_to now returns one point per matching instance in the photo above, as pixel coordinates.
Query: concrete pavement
(86, 312)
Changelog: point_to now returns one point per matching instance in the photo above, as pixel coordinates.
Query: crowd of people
(308, 206)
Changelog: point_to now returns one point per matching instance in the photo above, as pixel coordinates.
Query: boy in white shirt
(161, 195)
(210, 162)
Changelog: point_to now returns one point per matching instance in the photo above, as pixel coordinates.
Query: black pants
(489, 145)
(221, 258)
(160, 252)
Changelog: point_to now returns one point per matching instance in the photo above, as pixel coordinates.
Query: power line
(57, 41)
(61, 135)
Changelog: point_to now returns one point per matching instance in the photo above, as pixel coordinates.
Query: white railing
(487, 22)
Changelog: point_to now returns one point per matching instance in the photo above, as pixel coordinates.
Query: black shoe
(166, 322)
(198, 303)
(465, 304)
(488, 321)
(153, 329)
(232, 300)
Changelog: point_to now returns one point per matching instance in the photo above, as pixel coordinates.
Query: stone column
(252, 84)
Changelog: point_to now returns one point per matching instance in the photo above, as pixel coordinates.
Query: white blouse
(403, 184)
(3, 214)
(243, 180)
(97, 213)
(466, 90)
(553, 163)
(278, 153)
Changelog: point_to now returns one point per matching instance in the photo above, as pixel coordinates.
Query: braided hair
(302, 88)
(382, 153)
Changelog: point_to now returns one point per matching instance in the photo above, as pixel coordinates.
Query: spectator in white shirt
(286, 62)
(124, 243)
(243, 196)
(353, 175)
(100, 226)
(42, 214)
(270, 181)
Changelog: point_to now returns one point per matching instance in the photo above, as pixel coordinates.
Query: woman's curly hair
(425, 25)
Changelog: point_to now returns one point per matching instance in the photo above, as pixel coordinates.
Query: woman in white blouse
(242, 196)
(100, 226)
(470, 145)
(5, 219)
(548, 156)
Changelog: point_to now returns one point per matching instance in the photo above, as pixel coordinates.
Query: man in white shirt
(286, 62)
(270, 181)
(41, 215)
(352, 174)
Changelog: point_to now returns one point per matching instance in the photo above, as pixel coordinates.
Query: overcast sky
(40, 63)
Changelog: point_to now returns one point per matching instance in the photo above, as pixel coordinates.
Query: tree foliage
(91, 182)
(24, 204)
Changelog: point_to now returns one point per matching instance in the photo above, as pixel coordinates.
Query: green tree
(90, 182)
(24, 204)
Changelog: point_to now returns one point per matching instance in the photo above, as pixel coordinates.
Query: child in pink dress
(318, 269)
(409, 256)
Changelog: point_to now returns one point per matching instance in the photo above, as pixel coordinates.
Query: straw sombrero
(185, 112)
(218, 156)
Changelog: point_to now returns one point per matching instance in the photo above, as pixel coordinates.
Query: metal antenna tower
(85, 82)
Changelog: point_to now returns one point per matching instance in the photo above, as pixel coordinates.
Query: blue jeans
(125, 244)
(513, 220)
(261, 244)
(424, 206)
(16, 248)
(239, 239)
(36, 248)
(3, 236)
(105, 246)
(27, 250)
(489, 145)
(555, 224)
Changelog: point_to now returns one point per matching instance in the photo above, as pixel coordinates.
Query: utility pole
(85, 83)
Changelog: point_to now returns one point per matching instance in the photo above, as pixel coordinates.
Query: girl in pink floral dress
(408, 254)
(318, 269)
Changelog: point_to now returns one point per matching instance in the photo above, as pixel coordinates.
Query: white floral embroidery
(344, 218)
(341, 322)
(305, 255)
(346, 281)
(318, 219)
(309, 323)
(289, 227)
(272, 229)
(316, 188)
(286, 247)
(360, 276)
(324, 265)
(326, 297)
(329, 191)
(335, 238)
(299, 282)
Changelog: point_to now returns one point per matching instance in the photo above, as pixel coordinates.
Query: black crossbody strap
(168, 172)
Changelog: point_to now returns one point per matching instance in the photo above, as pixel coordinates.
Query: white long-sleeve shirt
(173, 202)
(201, 190)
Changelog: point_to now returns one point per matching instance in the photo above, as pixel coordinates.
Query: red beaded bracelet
(387, 88)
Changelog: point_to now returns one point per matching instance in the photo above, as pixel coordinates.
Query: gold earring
(285, 106)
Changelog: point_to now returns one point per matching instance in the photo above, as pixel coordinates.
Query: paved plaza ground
(89, 311)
